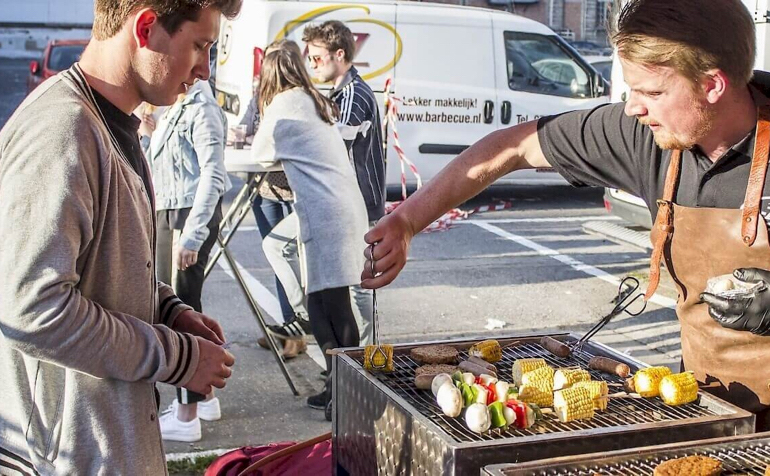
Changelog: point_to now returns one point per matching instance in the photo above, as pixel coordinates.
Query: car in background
(602, 64)
(58, 55)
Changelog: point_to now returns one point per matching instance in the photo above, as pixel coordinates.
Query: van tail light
(259, 55)
(34, 67)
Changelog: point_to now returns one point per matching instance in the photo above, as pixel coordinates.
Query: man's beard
(666, 140)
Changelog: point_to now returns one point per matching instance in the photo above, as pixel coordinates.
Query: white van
(460, 72)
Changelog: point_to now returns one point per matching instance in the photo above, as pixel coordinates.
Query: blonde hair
(283, 69)
(690, 36)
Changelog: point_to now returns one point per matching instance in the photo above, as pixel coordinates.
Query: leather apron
(698, 244)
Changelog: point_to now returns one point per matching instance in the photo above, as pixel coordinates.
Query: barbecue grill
(746, 454)
(383, 424)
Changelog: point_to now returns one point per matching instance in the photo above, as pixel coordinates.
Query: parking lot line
(268, 302)
(565, 259)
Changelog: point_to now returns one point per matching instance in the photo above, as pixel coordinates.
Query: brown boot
(293, 347)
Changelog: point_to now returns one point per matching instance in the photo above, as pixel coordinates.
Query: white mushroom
(477, 418)
(450, 399)
(723, 285)
(438, 381)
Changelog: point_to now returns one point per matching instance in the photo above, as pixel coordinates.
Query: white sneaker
(207, 410)
(173, 429)
(210, 410)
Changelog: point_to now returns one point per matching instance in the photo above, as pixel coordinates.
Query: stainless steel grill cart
(745, 454)
(383, 424)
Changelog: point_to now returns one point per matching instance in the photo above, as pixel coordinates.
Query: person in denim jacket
(186, 155)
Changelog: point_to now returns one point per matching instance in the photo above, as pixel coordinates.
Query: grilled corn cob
(647, 381)
(378, 358)
(488, 350)
(679, 389)
(574, 403)
(598, 390)
(534, 395)
(522, 366)
(537, 387)
(568, 377)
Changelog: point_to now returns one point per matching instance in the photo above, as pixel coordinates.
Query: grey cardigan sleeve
(50, 191)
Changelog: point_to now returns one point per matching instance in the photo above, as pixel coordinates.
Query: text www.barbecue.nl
(440, 118)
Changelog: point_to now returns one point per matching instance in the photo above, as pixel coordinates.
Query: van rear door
(445, 85)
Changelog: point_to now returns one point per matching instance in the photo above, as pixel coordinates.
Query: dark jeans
(269, 213)
(332, 320)
(188, 284)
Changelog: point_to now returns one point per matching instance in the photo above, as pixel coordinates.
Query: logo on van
(301, 20)
(225, 42)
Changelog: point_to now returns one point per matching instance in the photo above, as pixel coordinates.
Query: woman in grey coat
(298, 130)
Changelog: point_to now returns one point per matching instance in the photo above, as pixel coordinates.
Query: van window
(539, 64)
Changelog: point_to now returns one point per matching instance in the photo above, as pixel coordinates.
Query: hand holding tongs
(623, 301)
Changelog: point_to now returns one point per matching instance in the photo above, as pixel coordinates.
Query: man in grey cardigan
(85, 328)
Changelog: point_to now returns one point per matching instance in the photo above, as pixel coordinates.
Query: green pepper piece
(467, 393)
(496, 415)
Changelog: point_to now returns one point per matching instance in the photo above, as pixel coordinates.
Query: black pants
(188, 283)
(332, 320)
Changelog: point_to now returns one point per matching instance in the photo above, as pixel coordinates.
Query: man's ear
(715, 83)
(340, 54)
(145, 22)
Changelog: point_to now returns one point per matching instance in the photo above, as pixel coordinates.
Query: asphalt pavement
(529, 268)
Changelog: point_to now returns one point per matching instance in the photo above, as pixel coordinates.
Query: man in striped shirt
(331, 49)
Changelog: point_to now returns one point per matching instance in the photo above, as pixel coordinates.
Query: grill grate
(620, 411)
(738, 458)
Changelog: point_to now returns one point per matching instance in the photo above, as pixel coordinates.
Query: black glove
(743, 313)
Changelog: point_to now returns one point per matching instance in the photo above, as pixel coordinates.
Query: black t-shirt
(125, 129)
(604, 147)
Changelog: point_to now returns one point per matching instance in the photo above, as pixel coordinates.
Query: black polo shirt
(604, 147)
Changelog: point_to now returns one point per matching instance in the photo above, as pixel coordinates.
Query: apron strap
(757, 175)
(663, 222)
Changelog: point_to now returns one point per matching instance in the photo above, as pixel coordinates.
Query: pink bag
(277, 459)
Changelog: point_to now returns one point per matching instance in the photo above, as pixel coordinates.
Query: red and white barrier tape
(446, 220)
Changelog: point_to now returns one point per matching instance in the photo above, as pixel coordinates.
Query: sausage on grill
(605, 364)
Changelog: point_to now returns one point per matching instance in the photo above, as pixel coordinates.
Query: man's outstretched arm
(497, 154)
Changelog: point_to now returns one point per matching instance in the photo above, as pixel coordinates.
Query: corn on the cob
(488, 350)
(537, 387)
(522, 366)
(679, 389)
(647, 381)
(574, 403)
(535, 395)
(598, 390)
(378, 358)
(565, 378)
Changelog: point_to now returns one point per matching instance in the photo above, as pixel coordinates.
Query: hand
(185, 258)
(199, 325)
(391, 237)
(743, 314)
(147, 127)
(213, 368)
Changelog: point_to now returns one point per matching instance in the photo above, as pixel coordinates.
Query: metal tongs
(623, 301)
(376, 321)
